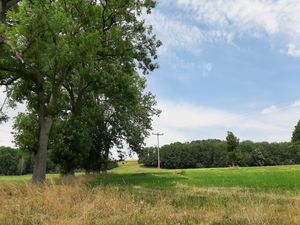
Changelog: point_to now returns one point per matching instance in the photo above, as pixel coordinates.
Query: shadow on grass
(148, 180)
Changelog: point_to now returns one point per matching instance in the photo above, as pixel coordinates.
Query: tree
(44, 57)
(9, 161)
(232, 144)
(26, 132)
(295, 143)
(258, 157)
(56, 41)
(296, 133)
(3, 116)
(105, 123)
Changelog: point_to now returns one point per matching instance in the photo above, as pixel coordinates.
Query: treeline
(17, 162)
(14, 162)
(214, 153)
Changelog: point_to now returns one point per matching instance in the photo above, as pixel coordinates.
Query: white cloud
(177, 33)
(195, 22)
(174, 33)
(206, 68)
(270, 110)
(293, 50)
(244, 15)
(182, 121)
(296, 104)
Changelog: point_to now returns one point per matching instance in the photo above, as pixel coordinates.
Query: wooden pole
(158, 154)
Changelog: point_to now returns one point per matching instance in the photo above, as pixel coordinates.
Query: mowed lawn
(134, 195)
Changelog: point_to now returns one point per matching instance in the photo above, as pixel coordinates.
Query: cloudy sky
(224, 65)
(227, 65)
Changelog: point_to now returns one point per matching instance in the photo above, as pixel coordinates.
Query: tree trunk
(69, 172)
(2, 10)
(40, 161)
(105, 160)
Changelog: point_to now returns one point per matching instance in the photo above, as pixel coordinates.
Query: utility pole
(158, 156)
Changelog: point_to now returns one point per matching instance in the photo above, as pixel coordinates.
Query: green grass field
(134, 195)
(277, 178)
(130, 173)
(21, 179)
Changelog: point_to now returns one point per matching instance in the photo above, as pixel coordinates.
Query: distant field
(21, 179)
(135, 195)
(279, 178)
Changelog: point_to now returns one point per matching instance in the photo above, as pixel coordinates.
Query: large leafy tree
(86, 142)
(50, 43)
(128, 122)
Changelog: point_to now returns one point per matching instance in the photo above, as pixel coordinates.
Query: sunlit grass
(133, 195)
(276, 178)
(22, 179)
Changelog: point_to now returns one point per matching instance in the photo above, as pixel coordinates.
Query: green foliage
(296, 133)
(25, 163)
(234, 155)
(15, 162)
(26, 131)
(258, 157)
(213, 153)
(9, 161)
(207, 153)
(111, 164)
(148, 157)
(232, 141)
(65, 57)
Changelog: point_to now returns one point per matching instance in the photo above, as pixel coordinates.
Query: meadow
(131, 194)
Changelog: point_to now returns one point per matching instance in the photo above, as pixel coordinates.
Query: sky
(225, 65)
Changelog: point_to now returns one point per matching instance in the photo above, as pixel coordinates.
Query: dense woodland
(20, 162)
(218, 153)
(213, 153)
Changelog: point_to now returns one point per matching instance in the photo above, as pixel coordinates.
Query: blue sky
(227, 65)
(224, 65)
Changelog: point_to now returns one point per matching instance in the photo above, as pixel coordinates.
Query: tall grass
(72, 201)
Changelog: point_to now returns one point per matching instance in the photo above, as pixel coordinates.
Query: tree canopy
(58, 54)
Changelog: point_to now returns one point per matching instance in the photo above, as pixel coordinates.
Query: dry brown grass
(68, 201)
